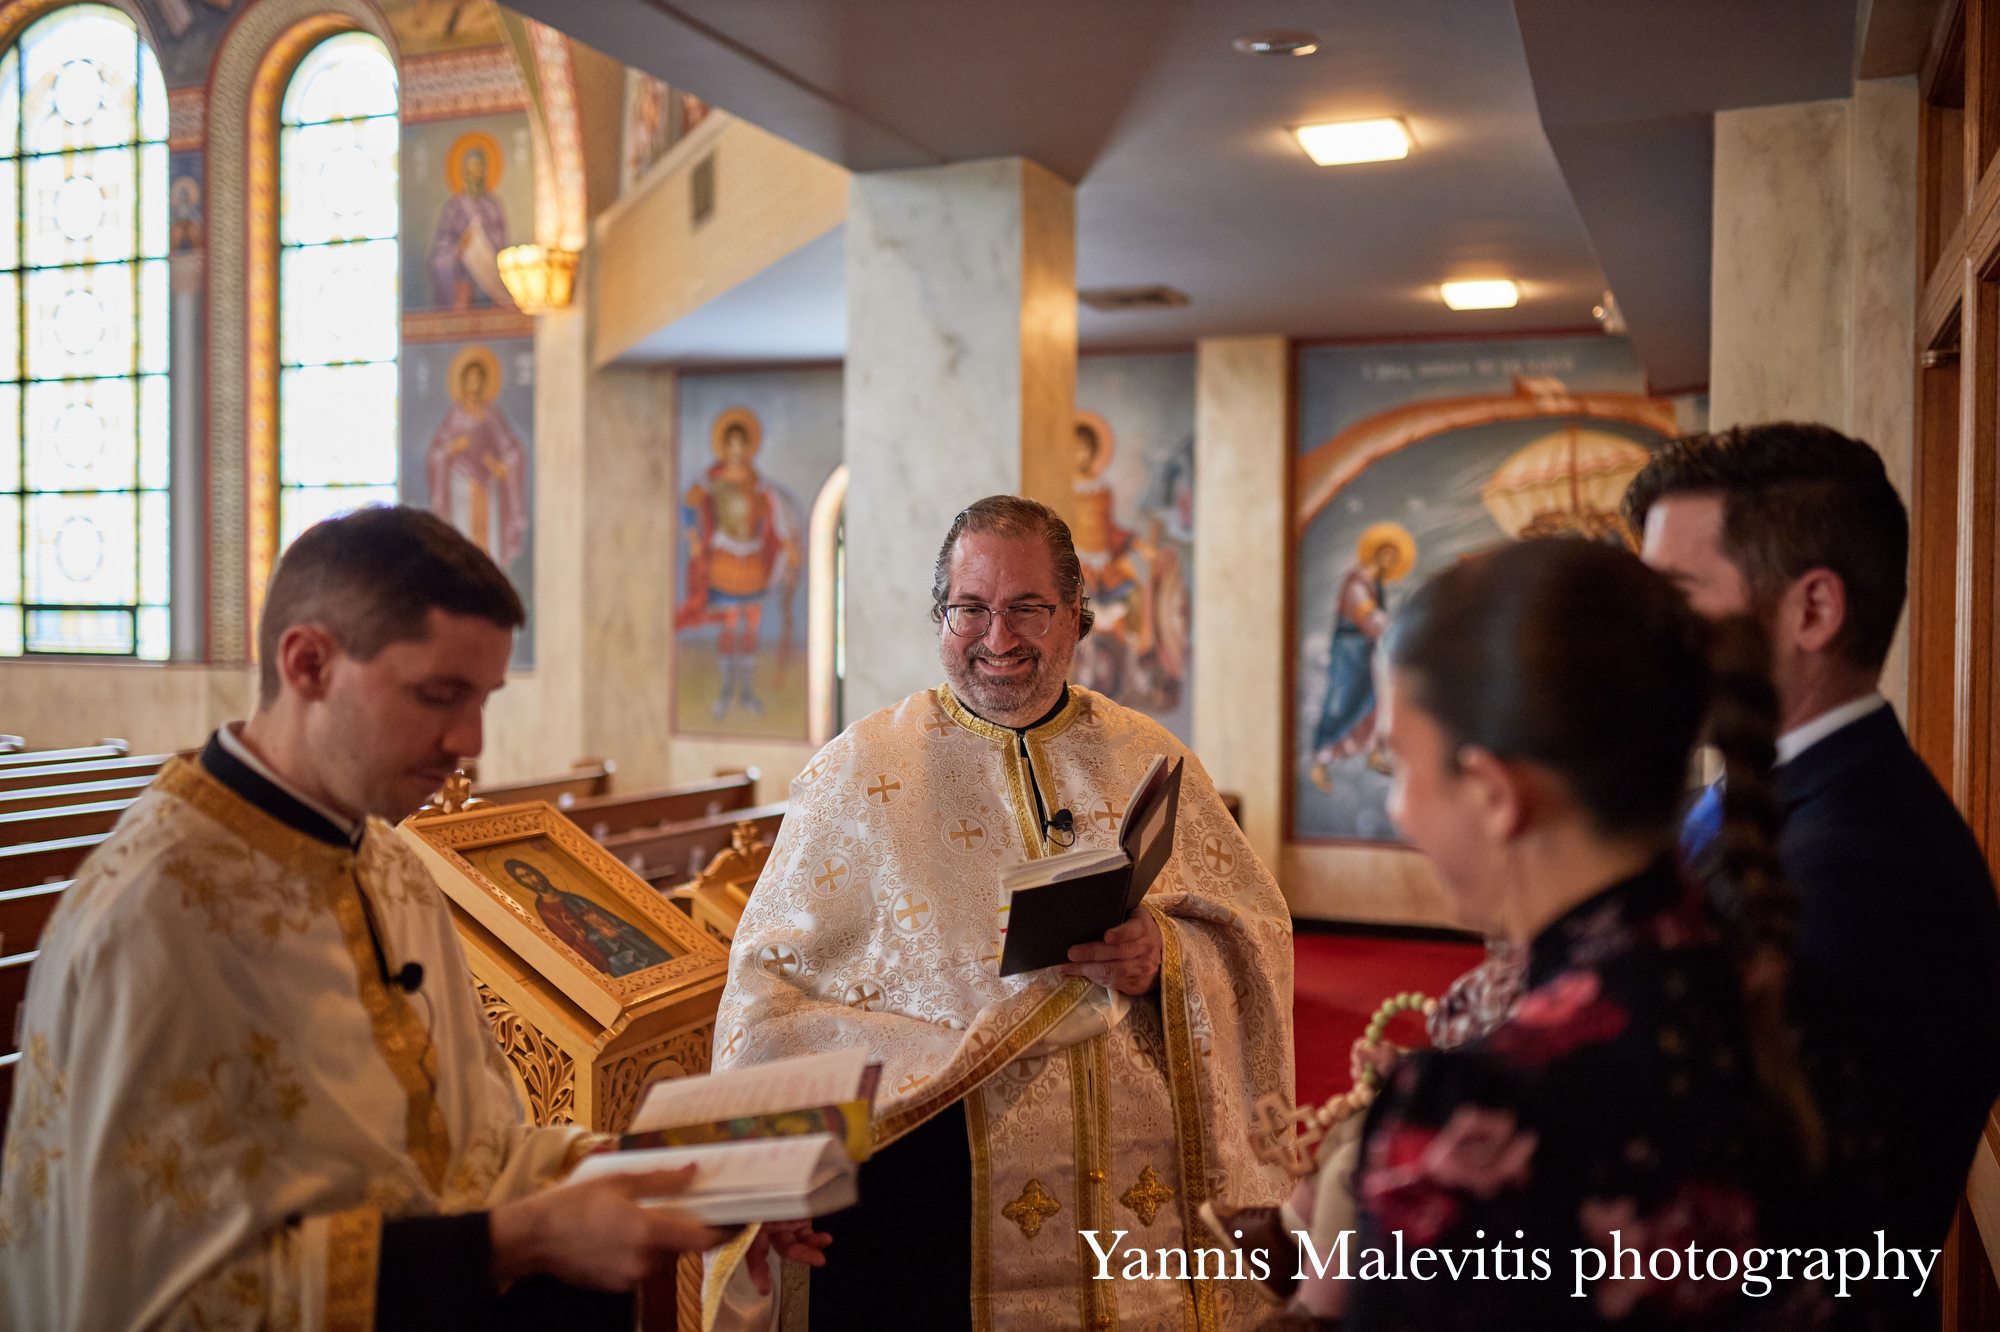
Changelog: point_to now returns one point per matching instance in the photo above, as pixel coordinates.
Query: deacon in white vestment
(1068, 1105)
(258, 1089)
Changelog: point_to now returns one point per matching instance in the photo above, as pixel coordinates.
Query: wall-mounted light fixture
(1343, 142)
(1494, 294)
(538, 277)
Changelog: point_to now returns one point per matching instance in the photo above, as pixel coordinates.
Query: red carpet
(1339, 982)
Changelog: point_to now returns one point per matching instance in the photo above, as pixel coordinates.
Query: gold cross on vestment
(911, 1083)
(968, 834)
(880, 791)
(1147, 1197)
(1107, 816)
(1031, 1209)
(939, 724)
(1218, 856)
(913, 911)
(831, 875)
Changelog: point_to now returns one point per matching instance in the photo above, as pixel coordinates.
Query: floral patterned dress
(1618, 1096)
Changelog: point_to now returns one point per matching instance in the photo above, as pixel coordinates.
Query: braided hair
(1575, 656)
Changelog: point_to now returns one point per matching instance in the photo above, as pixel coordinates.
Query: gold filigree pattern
(353, 1250)
(1147, 1197)
(620, 1083)
(546, 1070)
(1033, 1207)
(41, 1092)
(225, 1125)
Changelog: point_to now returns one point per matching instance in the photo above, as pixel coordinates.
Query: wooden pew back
(606, 816)
(25, 912)
(35, 863)
(96, 770)
(670, 856)
(43, 825)
(73, 793)
(581, 783)
(29, 758)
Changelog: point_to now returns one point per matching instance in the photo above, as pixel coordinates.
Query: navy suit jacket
(1897, 965)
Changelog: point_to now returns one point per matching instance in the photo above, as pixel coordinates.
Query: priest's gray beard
(996, 699)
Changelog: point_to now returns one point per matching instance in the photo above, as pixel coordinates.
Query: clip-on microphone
(1064, 822)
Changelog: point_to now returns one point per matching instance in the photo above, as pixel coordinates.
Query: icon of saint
(476, 466)
(1385, 554)
(471, 228)
(600, 937)
(744, 538)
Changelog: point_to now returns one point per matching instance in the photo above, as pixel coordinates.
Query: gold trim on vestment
(727, 1258)
(187, 781)
(1184, 1081)
(1032, 834)
(997, 1056)
(353, 1251)
(1090, 1105)
(400, 1038)
(977, 1138)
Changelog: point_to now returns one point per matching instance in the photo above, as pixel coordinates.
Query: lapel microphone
(1064, 823)
(411, 975)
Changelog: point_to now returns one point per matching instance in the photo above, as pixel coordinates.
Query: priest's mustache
(983, 653)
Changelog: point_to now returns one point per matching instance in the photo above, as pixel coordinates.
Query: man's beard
(992, 699)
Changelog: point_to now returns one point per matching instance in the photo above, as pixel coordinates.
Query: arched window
(338, 332)
(84, 410)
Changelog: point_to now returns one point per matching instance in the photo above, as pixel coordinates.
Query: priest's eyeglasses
(1022, 621)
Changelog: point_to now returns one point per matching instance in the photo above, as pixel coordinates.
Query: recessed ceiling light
(1355, 141)
(1277, 41)
(1497, 294)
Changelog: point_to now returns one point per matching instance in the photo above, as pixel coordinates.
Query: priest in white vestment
(258, 1089)
(1048, 1134)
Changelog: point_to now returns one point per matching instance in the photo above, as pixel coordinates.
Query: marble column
(1814, 286)
(960, 383)
(1242, 458)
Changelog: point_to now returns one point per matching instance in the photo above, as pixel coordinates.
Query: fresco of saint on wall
(1409, 458)
(468, 193)
(755, 451)
(1134, 528)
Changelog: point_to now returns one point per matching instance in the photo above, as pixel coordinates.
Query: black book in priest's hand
(1074, 898)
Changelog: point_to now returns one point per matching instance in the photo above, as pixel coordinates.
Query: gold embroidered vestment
(878, 921)
(220, 1100)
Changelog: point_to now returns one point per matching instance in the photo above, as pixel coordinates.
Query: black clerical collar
(266, 795)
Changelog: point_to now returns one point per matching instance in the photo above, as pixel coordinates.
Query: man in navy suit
(1897, 956)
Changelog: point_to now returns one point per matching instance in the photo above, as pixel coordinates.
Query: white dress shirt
(1807, 734)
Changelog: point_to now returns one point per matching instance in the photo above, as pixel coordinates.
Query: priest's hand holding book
(1128, 960)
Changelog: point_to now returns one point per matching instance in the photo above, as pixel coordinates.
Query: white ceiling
(1186, 176)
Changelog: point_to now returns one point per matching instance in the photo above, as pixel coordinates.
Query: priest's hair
(1015, 518)
(1574, 656)
(371, 578)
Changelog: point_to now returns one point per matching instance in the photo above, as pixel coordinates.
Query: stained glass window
(337, 314)
(84, 420)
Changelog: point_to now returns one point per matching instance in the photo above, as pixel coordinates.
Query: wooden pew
(13, 989)
(35, 863)
(28, 758)
(605, 816)
(46, 825)
(670, 856)
(583, 782)
(73, 793)
(97, 770)
(25, 912)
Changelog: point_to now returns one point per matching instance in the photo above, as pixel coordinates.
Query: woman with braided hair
(1542, 705)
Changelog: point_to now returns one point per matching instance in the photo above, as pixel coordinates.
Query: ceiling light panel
(1349, 141)
(1497, 294)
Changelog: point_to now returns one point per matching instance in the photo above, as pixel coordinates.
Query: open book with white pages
(769, 1142)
